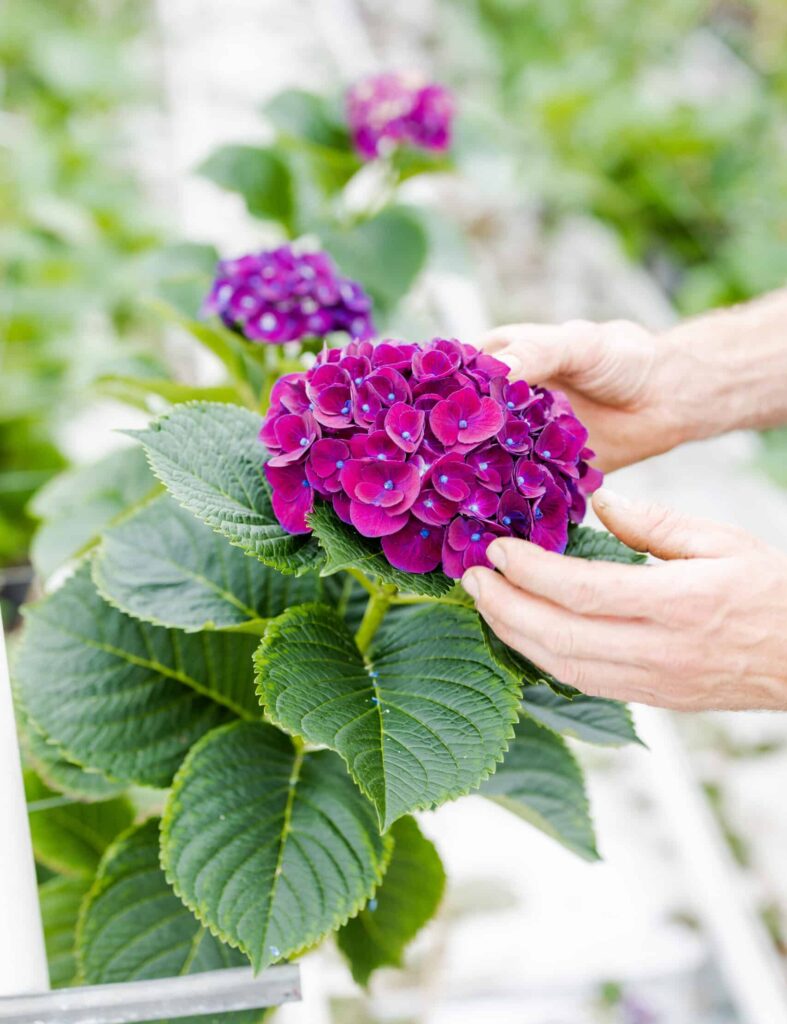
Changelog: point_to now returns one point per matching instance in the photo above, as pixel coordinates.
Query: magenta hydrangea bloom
(284, 295)
(428, 448)
(392, 109)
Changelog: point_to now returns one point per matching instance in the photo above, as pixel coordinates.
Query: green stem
(365, 582)
(378, 605)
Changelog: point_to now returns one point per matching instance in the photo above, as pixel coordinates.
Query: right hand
(616, 376)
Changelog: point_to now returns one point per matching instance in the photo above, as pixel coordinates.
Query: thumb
(541, 352)
(664, 532)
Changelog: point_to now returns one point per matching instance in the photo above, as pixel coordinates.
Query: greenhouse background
(612, 160)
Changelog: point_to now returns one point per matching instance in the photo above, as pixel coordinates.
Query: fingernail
(496, 553)
(470, 583)
(513, 362)
(607, 498)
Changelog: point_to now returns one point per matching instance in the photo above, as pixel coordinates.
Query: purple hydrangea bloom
(284, 295)
(394, 109)
(429, 448)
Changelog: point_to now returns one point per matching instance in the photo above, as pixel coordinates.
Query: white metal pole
(23, 966)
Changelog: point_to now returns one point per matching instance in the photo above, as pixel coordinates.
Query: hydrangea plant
(264, 642)
(300, 695)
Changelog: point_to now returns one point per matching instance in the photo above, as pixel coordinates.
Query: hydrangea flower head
(283, 295)
(428, 448)
(392, 109)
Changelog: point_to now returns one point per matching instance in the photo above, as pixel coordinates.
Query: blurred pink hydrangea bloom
(392, 109)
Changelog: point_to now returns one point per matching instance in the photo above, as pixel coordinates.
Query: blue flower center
(345, 410)
(359, 380)
(474, 507)
(482, 466)
(509, 440)
(546, 455)
(381, 456)
(520, 480)
(462, 424)
(509, 405)
(311, 405)
(424, 533)
(391, 396)
(388, 485)
(538, 514)
(507, 520)
(443, 479)
(303, 442)
(365, 407)
(304, 483)
(475, 536)
(339, 463)
(428, 503)
(406, 435)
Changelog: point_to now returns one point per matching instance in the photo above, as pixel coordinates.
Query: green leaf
(78, 504)
(429, 726)
(60, 900)
(600, 546)
(71, 838)
(541, 781)
(345, 549)
(271, 847)
(408, 898)
(396, 232)
(592, 719)
(134, 927)
(164, 566)
(58, 772)
(120, 696)
(139, 391)
(299, 114)
(181, 274)
(260, 175)
(210, 459)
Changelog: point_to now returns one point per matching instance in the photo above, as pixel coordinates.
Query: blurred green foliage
(74, 226)
(666, 121)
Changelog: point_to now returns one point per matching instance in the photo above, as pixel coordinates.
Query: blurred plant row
(666, 121)
(75, 228)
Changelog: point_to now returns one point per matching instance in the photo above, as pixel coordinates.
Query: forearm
(728, 370)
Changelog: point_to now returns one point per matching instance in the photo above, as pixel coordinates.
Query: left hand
(706, 628)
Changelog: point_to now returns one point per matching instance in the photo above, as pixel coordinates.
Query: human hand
(703, 629)
(617, 376)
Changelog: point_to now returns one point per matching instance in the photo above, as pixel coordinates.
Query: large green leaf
(121, 696)
(210, 459)
(78, 504)
(541, 781)
(593, 719)
(133, 926)
(423, 719)
(57, 771)
(408, 898)
(598, 545)
(260, 175)
(164, 566)
(271, 847)
(70, 837)
(60, 900)
(395, 232)
(345, 548)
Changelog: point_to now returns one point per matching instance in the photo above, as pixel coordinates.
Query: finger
(570, 636)
(593, 677)
(538, 352)
(586, 587)
(664, 532)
